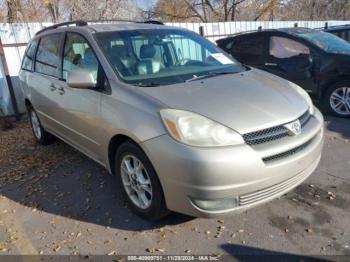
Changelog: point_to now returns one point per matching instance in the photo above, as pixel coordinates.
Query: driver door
(291, 60)
(81, 122)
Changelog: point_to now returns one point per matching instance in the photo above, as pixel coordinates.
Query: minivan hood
(245, 102)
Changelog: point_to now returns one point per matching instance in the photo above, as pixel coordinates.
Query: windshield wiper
(147, 84)
(195, 77)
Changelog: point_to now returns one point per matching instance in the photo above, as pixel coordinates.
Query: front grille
(272, 191)
(304, 119)
(272, 133)
(287, 153)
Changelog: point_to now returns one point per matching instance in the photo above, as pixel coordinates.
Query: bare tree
(173, 10)
(53, 8)
(14, 10)
(316, 10)
(61, 10)
(101, 10)
(197, 10)
(267, 10)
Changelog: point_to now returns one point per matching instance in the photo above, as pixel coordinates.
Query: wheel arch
(330, 83)
(325, 99)
(114, 143)
(27, 103)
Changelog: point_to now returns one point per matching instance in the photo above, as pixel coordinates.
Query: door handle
(271, 64)
(61, 90)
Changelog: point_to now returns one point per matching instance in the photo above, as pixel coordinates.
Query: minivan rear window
(47, 57)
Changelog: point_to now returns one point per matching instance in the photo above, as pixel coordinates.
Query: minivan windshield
(327, 42)
(164, 56)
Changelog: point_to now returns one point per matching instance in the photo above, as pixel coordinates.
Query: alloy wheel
(136, 181)
(34, 120)
(340, 101)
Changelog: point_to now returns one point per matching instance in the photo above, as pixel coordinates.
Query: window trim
(289, 38)
(32, 58)
(59, 56)
(107, 89)
(313, 48)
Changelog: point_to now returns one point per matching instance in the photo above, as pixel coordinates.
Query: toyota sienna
(181, 124)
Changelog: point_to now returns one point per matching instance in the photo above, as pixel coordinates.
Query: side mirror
(307, 59)
(80, 78)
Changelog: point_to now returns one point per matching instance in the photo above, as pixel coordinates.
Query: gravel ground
(54, 200)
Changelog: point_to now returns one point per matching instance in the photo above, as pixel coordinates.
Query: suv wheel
(40, 135)
(337, 100)
(140, 184)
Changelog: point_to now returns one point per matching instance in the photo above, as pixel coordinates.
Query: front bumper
(239, 172)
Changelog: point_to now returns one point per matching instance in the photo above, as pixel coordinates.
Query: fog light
(216, 204)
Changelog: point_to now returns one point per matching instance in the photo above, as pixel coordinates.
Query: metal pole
(201, 30)
(9, 82)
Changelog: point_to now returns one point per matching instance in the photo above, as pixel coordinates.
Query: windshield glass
(327, 42)
(165, 56)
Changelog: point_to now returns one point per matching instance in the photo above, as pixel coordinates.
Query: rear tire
(336, 100)
(39, 133)
(139, 182)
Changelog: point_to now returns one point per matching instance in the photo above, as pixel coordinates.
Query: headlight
(305, 95)
(196, 130)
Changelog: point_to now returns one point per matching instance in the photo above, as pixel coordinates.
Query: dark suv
(342, 31)
(315, 60)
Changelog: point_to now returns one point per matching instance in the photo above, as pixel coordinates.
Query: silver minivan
(181, 124)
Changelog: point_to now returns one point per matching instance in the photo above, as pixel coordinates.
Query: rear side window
(345, 35)
(249, 45)
(28, 59)
(228, 45)
(47, 57)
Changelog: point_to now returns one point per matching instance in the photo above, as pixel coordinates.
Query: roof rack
(76, 23)
(155, 22)
(126, 20)
(334, 26)
(84, 23)
(327, 26)
(110, 21)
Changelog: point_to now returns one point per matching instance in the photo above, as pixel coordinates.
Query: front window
(327, 42)
(166, 56)
(78, 55)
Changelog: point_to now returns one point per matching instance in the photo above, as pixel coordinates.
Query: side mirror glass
(80, 78)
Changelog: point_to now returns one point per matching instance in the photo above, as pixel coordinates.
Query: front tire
(336, 100)
(39, 133)
(139, 182)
